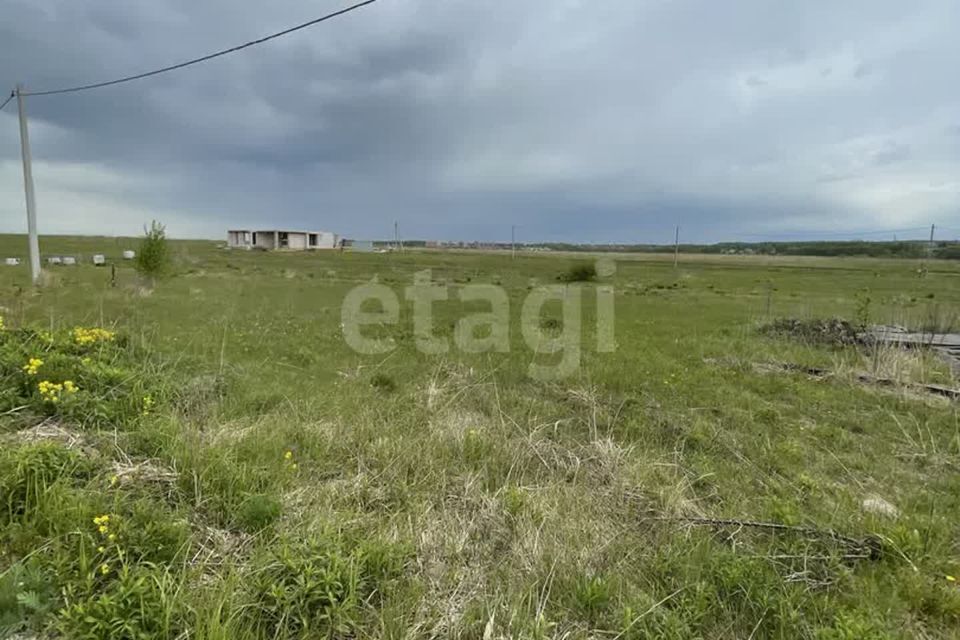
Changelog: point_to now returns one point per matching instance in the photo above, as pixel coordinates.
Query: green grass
(279, 485)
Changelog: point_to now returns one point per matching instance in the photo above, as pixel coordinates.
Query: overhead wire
(210, 56)
(12, 94)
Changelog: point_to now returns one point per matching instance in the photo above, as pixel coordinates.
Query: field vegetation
(207, 458)
(915, 249)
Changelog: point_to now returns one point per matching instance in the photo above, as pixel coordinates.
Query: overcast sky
(601, 121)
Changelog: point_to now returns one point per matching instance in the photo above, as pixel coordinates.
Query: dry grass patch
(50, 431)
(144, 472)
(214, 547)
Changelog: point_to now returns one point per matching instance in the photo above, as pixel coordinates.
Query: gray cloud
(598, 121)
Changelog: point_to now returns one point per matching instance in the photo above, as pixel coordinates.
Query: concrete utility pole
(28, 190)
(928, 254)
(513, 242)
(676, 247)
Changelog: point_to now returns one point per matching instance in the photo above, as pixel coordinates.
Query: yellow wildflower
(951, 578)
(114, 480)
(104, 568)
(288, 455)
(33, 365)
(112, 537)
(102, 528)
(50, 390)
(101, 549)
(83, 336)
(147, 404)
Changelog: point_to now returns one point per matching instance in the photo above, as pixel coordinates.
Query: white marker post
(28, 190)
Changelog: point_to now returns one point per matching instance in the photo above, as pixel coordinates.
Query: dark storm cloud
(577, 121)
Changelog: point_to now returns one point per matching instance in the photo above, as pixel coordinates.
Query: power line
(203, 58)
(12, 94)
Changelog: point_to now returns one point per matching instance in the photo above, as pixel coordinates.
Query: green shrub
(579, 272)
(383, 382)
(153, 257)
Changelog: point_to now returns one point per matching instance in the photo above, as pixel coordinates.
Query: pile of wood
(947, 345)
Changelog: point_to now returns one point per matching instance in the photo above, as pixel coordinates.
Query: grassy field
(260, 479)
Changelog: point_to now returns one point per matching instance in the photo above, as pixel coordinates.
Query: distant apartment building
(281, 240)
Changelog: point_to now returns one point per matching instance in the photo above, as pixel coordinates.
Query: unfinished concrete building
(275, 239)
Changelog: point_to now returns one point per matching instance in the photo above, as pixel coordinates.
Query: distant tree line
(885, 249)
(901, 249)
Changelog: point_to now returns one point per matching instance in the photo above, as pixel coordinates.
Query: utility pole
(513, 241)
(676, 247)
(28, 190)
(928, 254)
(396, 235)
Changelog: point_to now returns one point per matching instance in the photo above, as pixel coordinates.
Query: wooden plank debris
(946, 345)
(866, 378)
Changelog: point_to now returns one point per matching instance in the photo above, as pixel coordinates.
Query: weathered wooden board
(947, 345)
